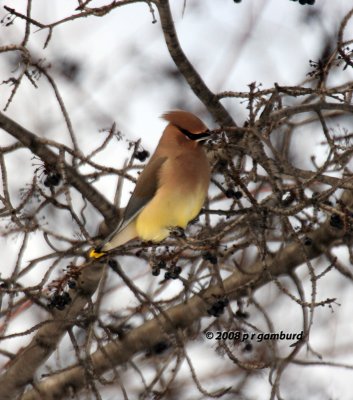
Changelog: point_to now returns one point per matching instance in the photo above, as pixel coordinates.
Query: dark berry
(66, 298)
(173, 273)
(214, 311)
(71, 284)
(59, 301)
(54, 299)
(156, 271)
(336, 221)
(307, 241)
(218, 307)
(237, 1)
(177, 270)
(208, 256)
(229, 193)
(53, 179)
(238, 194)
(142, 155)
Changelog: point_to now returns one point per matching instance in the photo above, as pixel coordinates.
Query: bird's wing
(145, 189)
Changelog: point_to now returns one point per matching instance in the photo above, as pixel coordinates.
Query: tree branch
(209, 99)
(315, 107)
(31, 141)
(23, 367)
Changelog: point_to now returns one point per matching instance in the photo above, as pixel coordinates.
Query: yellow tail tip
(94, 254)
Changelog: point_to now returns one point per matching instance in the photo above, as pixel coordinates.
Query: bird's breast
(183, 185)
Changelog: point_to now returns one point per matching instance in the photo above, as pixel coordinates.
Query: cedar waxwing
(172, 187)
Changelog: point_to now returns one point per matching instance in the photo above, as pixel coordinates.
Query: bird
(170, 190)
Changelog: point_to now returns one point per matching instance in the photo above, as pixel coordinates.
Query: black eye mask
(198, 137)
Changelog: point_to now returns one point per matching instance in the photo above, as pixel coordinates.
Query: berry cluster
(52, 179)
(141, 155)
(60, 297)
(211, 257)
(231, 193)
(52, 176)
(173, 272)
(218, 307)
(59, 301)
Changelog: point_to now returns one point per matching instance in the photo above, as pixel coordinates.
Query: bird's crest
(185, 120)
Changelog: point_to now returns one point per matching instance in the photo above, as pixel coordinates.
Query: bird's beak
(196, 137)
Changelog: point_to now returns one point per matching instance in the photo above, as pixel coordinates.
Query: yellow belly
(166, 211)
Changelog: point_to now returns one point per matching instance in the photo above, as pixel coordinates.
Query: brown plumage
(172, 187)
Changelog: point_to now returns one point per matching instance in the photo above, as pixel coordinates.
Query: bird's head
(186, 126)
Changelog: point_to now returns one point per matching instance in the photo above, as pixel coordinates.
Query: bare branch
(31, 141)
(23, 367)
(184, 315)
(209, 99)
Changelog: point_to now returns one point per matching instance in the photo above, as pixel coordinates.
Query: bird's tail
(94, 253)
